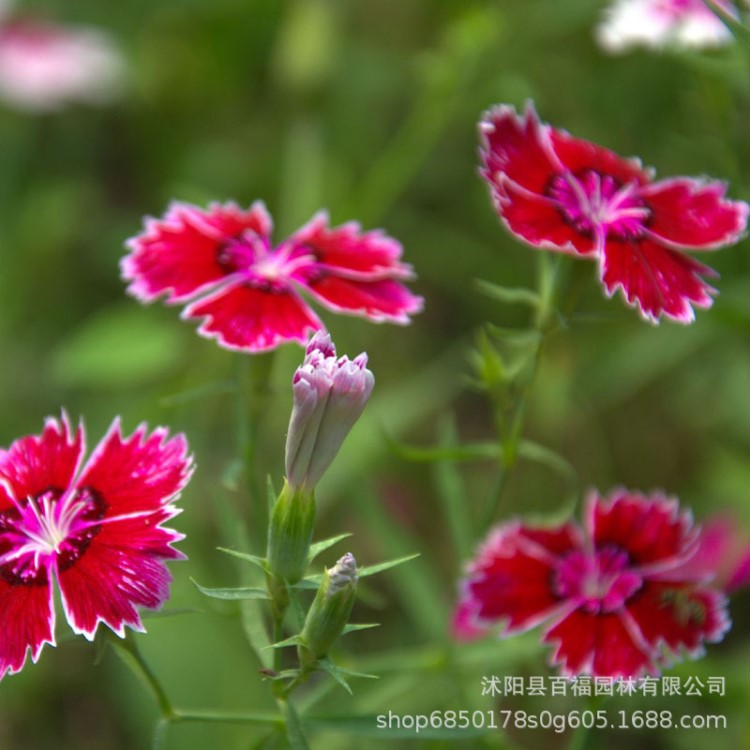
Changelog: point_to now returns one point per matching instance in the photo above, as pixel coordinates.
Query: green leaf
(547, 457)
(318, 547)
(508, 296)
(259, 562)
(295, 640)
(330, 667)
(371, 570)
(232, 594)
(353, 628)
(308, 582)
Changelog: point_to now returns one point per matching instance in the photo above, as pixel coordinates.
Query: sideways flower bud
(330, 610)
(329, 396)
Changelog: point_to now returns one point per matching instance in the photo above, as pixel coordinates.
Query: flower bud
(290, 532)
(329, 396)
(330, 610)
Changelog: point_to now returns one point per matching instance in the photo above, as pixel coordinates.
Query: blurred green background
(368, 108)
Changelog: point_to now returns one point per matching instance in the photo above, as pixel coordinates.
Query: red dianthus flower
(247, 291)
(97, 531)
(617, 594)
(561, 193)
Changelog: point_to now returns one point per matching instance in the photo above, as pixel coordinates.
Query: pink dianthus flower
(662, 23)
(561, 193)
(616, 595)
(247, 292)
(97, 531)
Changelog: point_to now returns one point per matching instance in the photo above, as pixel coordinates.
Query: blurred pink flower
(45, 66)
(247, 291)
(565, 194)
(616, 594)
(662, 23)
(722, 555)
(97, 531)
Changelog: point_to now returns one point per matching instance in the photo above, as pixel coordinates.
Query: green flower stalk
(329, 612)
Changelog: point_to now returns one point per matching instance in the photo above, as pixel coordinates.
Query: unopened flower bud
(330, 610)
(290, 532)
(329, 396)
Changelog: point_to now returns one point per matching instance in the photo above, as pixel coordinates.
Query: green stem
(253, 389)
(547, 275)
(128, 650)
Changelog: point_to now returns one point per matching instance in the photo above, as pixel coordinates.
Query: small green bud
(330, 610)
(290, 532)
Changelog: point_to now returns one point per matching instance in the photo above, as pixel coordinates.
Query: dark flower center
(600, 582)
(51, 528)
(597, 204)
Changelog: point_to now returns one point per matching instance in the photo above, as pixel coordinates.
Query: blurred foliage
(368, 108)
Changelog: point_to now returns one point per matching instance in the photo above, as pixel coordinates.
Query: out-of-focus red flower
(561, 193)
(616, 595)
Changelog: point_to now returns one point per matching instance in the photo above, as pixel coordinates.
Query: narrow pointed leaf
(293, 641)
(510, 296)
(353, 628)
(232, 594)
(318, 547)
(332, 670)
(260, 562)
(371, 570)
(546, 456)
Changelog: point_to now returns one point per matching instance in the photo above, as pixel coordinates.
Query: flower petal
(347, 251)
(516, 148)
(142, 473)
(599, 644)
(28, 617)
(254, 318)
(535, 219)
(511, 577)
(378, 301)
(578, 155)
(679, 616)
(179, 254)
(464, 625)
(121, 569)
(34, 464)
(694, 213)
(652, 530)
(657, 280)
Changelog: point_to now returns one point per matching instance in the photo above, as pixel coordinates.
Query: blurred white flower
(662, 23)
(45, 66)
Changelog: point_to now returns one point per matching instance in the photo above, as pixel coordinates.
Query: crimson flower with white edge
(247, 292)
(617, 596)
(94, 528)
(561, 193)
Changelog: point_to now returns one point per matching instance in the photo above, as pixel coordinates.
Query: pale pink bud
(329, 396)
